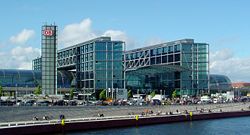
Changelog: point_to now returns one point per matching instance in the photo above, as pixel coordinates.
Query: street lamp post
(161, 93)
(26, 90)
(16, 94)
(107, 92)
(112, 93)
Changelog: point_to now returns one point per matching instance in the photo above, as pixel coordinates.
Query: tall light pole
(16, 94)
(112, 93)
(26, 89)
(107, 92)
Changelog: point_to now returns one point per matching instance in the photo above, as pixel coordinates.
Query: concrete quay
(26, 113)
(84, 124)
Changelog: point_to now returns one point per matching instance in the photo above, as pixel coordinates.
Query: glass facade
(180, 64)
(37, 64)
(98, 64)
(109, 72)
(49, 52)
(195, 58)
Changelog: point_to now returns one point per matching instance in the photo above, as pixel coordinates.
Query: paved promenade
(22, 113)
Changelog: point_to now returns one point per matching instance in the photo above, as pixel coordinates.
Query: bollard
(62, 122)
(136, 117)
(191, 115)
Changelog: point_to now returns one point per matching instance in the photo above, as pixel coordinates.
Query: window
(117, 47)
(134, 55)
(100, 46)
(152, 61)
(90, 47)
(137, 55)
(170, 49)
(170, 58)
(100, 65)
(153, 52)
(177, 48)
(127, 57)
(117, 55)
(90, 56)
(101, 55)
(158, 60)
(177, 57)
(159, 51)
(165, 50)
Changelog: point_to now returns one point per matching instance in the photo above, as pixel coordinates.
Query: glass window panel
(170, 58)
(152, 61)
(177, 48)
(159, 51)
(100, 46)
(100, 55)
(158, 60)
(117, 56)
(117, 47)
(170, 49)
(164, 59)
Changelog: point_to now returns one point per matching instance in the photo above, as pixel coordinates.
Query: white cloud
(120, 35)
(22, 37)
(76, 33)
(224, 54)
(224, 62)
(19, 58)
(80, 32)
(116, 35)
(154, 41)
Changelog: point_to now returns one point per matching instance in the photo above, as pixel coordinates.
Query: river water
(229, 126)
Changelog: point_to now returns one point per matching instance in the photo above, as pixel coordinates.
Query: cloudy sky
(224, 24)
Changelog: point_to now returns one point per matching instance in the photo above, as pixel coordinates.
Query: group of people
(45, 117)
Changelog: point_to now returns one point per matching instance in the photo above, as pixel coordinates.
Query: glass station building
(97, 63)
(181, 65)
(102, 63)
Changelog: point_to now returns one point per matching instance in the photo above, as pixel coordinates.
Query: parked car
(205, 100)
(59, 103)
(156, 102)
(29, 102)
(42, 103)
(72, 103)
(7, 103)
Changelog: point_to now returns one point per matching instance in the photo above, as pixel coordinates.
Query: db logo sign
(47, 32)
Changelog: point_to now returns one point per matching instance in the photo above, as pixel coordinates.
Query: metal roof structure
(155, 69)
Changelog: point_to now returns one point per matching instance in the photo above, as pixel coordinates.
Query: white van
(206, 99)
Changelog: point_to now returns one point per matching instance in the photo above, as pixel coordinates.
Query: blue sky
(224, 24)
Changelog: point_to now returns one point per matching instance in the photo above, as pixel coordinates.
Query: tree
(102, 95)
(152, 94)
(38, 90)
(243, 92)
(71, 93)
(1, 91)
(130, 94)
(174, 94)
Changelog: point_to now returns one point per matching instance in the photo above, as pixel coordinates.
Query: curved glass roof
(32, 78)
(220, 82)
